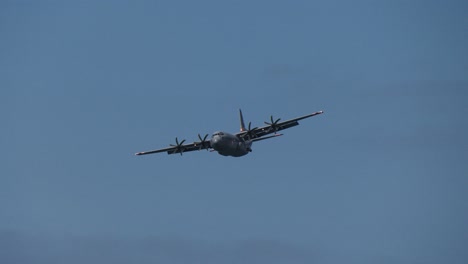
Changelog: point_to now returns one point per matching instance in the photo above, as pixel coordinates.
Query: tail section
(242, 125)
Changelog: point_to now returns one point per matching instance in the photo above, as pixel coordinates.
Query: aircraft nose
(214, 142)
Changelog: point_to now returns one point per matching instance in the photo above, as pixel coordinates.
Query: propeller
(273, 124)
(202, 142)
(249, 131)
(178, 146)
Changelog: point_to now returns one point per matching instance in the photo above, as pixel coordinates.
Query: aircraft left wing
(180, 147)
(274, 126)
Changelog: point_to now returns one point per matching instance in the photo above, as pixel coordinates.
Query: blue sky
(381, 177)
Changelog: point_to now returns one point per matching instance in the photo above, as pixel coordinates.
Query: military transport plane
(236, 145)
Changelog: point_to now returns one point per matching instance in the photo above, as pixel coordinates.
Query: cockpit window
(217, 134)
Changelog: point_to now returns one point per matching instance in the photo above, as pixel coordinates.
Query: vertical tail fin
(242, 125)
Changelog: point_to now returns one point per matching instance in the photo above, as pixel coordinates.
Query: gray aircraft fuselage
(230, 145)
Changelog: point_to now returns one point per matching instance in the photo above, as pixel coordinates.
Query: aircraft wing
(180, 148)
(274, 126)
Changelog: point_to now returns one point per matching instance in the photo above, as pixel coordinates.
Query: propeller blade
(202, 142)
(273, 124)
(178, 147)
(202, 139)
(249, 131)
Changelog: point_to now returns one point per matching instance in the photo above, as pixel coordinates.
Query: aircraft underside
(229, 145)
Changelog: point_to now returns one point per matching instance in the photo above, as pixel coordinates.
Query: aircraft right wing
(274, 126)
